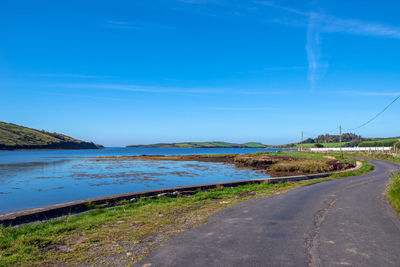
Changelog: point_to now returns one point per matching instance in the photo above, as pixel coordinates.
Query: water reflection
(35, 184)
(30, 179)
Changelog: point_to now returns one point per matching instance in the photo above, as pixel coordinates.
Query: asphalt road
(344, 222)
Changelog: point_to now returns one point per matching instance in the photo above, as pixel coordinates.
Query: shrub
(303, 166)
(353, 143)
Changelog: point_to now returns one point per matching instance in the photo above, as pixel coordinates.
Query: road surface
(344, 222)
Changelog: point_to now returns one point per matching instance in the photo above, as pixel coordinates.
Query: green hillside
(203, 145)
(348, 140)
(379, 142)
(13, 136)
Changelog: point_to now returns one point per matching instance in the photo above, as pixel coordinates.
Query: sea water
(31, 179)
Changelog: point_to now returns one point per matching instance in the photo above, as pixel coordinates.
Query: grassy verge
(382, 156)
(365, 168)
(127, 232)
(393, 193)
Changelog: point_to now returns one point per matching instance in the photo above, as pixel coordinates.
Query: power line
(365, 123)
(315, 134)
(333, 129)
(376, 116)
(311, 134)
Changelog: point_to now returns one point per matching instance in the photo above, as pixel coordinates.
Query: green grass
(14, 137)
(32, 244)
(393, 193)
(365, 168)
(89, 237)
(384, 139)
(253, 145)
(379, 142)
(330, 145)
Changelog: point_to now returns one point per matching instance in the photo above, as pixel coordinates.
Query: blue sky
(134, 72)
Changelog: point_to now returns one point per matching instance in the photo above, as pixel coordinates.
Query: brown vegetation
(270, 163)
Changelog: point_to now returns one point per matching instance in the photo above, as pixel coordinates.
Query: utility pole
(340, 138)
(301, 144)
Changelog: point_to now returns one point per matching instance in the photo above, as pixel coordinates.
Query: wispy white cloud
(316, 68)
(288, 9)
(136, 25)
(242, 108)
(328, 23)
(366, 93)
(301, 23)
(197, 1)
(167, 90)
(317, 23)
(121, 25)
(67, 75)
(285, 68)
(81, 96)
(273, 69)
(136, 88)
(352, 26)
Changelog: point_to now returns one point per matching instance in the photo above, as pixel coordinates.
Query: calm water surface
(31, 179)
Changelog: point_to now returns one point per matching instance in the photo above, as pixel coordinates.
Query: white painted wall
(349, 149)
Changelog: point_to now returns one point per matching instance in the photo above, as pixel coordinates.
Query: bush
(353, 143)
(397, 145)
(318, 145)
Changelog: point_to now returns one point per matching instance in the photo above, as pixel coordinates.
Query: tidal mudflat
(30, 181)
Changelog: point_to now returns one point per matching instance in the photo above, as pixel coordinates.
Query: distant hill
(13, 136)
(327, 138)
(204, 145)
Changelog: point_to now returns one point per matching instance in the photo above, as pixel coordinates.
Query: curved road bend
(344, 222)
